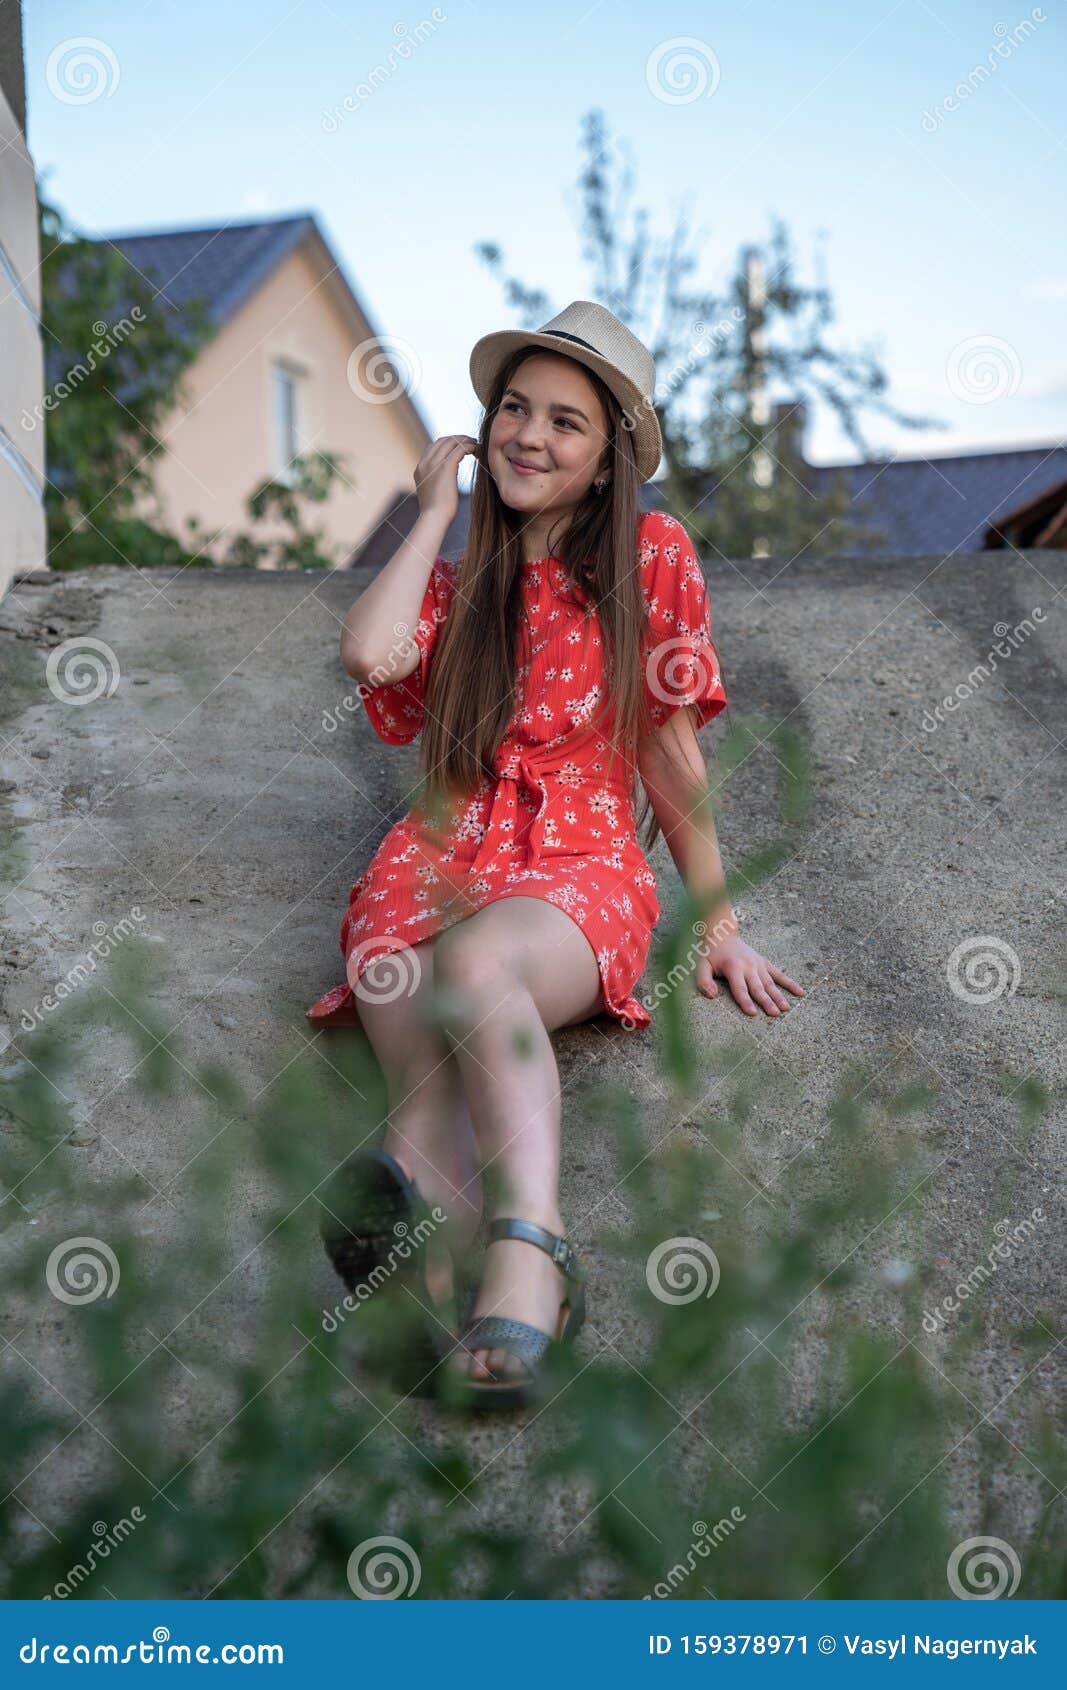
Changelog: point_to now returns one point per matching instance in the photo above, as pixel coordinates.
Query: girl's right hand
(437, 474)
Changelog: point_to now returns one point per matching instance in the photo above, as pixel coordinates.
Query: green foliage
(777, 1427)
(122, 354)
(278, 509)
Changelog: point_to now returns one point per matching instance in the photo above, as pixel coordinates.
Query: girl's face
(551, 419)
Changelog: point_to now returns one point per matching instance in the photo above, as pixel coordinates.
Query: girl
(571, 649)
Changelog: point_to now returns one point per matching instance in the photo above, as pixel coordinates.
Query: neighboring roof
(946, 505)
(392, 530)
(221, 264)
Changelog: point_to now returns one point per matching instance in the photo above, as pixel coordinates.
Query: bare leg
(507, 976)
(430, 1131)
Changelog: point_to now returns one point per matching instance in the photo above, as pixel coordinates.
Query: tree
(114, 362)
(731, 472)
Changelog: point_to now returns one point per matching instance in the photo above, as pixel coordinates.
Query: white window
(286, 402)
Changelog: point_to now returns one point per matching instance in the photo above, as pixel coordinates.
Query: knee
(471, 973)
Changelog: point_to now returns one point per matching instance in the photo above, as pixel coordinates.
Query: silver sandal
(530, 1344)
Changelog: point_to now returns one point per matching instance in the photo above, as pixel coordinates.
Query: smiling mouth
(526, 469)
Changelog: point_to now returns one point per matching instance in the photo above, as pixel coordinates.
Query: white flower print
(567, 897)
(604, 803)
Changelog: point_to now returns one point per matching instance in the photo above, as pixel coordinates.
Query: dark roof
(926, 505)
(221, 265)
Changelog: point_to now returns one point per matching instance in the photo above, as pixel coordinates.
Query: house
(22, 465)
(293, 364)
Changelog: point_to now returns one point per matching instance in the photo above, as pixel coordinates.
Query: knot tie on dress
(528, 770)
(522, 769)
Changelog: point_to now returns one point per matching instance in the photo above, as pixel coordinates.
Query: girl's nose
(531, 437)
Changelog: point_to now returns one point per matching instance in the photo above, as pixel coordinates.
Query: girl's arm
(369, 639)
(676, 780)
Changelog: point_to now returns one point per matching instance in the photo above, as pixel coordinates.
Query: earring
(600, 486)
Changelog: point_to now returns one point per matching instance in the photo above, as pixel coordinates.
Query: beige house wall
(220, 443)
(22, 458)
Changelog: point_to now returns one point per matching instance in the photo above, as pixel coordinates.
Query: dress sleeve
(396, 708)
(680, 662)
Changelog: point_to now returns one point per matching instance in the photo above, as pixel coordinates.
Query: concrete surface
(206, 791)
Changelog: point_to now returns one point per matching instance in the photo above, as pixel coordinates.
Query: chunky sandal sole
(370, 1206)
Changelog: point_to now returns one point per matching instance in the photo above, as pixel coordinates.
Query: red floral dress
(552, 824)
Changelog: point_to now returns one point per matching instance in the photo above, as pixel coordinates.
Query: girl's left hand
(748, 976)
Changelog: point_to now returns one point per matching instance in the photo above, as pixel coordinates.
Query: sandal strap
(495, 1331)
(562, 1252)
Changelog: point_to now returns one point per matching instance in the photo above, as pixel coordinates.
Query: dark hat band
(561, 334)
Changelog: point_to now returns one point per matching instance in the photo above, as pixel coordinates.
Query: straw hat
(592, 336)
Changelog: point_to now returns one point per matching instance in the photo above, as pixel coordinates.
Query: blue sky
(937, 229)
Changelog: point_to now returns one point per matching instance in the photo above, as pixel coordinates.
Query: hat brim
(492, 350)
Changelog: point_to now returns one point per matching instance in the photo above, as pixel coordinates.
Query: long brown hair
(470, 695)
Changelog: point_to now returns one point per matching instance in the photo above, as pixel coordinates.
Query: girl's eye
(513, 405)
